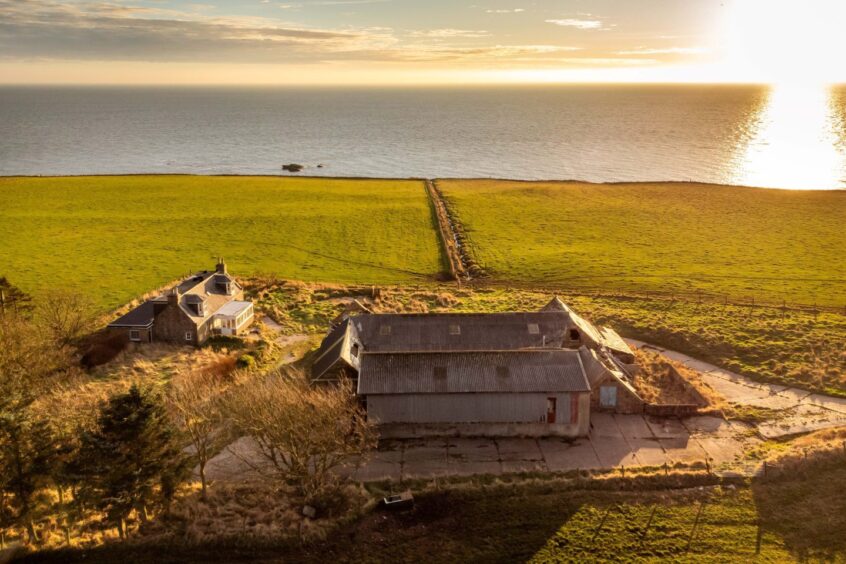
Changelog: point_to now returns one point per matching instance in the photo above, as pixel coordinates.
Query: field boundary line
(446, 234)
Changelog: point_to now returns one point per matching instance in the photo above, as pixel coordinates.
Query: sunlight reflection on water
(797, 141)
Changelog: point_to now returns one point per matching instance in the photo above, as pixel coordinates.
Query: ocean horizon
(719, 134)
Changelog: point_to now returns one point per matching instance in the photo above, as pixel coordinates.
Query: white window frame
(137, 337)
(189, 336)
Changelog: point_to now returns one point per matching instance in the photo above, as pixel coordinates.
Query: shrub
(104, 348)
(246, 360)
(219, 342)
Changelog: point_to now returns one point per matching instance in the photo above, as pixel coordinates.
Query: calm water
(742, 135)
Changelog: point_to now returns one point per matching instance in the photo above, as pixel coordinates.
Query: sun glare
(795, 141)
(784, 41)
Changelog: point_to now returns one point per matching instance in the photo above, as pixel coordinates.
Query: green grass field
(769, 244)
(114, 238)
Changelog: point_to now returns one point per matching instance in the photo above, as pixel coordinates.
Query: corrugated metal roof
(615, 342)
(594, 369)
(461, 332)
(331, 349)
(421, 373)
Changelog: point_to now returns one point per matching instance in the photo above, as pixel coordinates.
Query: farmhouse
(519, 373)
(208, 303)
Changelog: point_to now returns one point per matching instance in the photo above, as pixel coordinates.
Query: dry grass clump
(249, 513)
(663, 381)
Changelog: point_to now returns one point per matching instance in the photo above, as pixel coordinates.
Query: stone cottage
(207, 303)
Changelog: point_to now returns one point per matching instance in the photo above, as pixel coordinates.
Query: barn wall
(627, 402)
(424, 415)
(466, 408)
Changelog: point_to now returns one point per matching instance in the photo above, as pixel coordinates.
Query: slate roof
(475, 372)
(141, 316)
(204, 287)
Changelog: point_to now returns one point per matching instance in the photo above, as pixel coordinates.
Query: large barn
(520, 373)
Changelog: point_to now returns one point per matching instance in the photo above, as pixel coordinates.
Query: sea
(783, 137)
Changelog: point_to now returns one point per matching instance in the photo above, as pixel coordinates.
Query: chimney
(173, 296)
(221, 266)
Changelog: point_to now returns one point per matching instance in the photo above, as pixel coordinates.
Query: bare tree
(304, 434)
(28, 362)
(67, 316)
(194, 400)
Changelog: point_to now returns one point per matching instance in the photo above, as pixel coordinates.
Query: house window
(455, 329)
(189, 335)
(354, 351)
(574, 335)
(534, 329)
(384, 330)
(134, 335)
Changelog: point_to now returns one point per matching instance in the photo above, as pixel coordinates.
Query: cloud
(513, 11)
(449, 33)
(512, 53)
(665, 51)
(108, 31)
(578, 23)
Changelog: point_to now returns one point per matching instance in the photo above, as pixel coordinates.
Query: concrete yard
(614, 441)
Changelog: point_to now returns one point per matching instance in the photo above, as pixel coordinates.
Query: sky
(372, 42)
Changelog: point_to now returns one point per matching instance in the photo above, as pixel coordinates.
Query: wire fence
(698, 297)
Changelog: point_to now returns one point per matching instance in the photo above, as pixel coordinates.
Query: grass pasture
(773, 245)
(117, 237)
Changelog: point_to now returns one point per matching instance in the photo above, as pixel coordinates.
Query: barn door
(608, 396)
(550, 410)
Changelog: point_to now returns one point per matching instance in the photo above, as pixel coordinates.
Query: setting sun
(785, 42)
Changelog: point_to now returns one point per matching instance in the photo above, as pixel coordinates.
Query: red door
(550, 410)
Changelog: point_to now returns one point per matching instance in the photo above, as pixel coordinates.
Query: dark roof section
(141, 316)
(194, 299)
(431, 373)
(330, 350)
(443, 332)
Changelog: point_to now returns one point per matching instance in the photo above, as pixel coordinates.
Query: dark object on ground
(320, 165)
(103, 348)
(293, 167)
(398, 502)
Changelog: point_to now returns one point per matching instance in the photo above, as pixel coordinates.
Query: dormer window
(574, 335)
(199, 308)
(354, 350)
(455, 329)
(384, 330)
(534, 329)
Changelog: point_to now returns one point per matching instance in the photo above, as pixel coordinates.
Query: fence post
(695, 524)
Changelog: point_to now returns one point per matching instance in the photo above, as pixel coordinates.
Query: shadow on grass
(805, 505)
